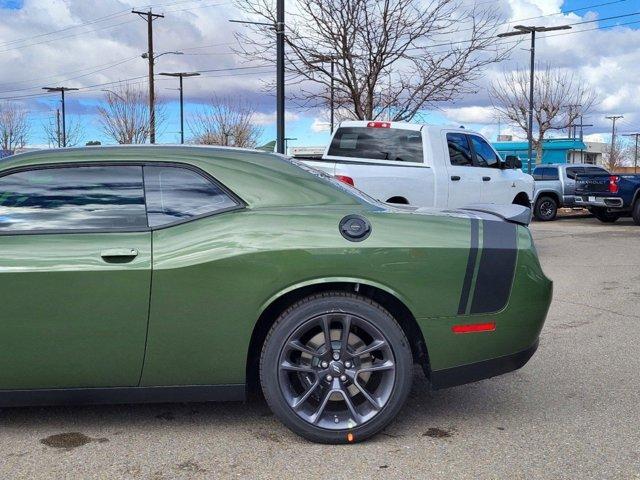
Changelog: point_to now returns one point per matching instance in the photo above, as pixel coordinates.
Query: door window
(176, 194)
(485, 155)
(73, 198)
(459, 150)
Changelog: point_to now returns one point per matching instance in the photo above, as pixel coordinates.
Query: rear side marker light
(474, 327)
(613, 183)
(379, 125)
(345, 179)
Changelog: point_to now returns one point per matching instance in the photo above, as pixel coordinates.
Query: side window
(573, 172)
(175, 194)
(485, 155)
(538, 173)
(73, 198)
(459, 150)
(551, 173)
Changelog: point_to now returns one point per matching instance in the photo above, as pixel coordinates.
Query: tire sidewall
(636, 212)
(294, 318)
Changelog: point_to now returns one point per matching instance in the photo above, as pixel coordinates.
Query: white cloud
(320, 125)
(261, 118)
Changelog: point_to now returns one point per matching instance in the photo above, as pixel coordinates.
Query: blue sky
(608, 59)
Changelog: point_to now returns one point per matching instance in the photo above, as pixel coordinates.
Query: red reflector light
(613, 183)
(474, 327)
(379, 124)
(345, 179)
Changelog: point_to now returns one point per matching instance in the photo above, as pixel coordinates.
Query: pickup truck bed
(610, 197)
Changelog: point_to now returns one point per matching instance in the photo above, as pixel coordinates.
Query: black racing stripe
(471, 266)
(497, 267)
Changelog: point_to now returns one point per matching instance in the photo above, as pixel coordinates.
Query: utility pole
(149, 17)
(582, 125)
(280, 100)
(635, 156)
(58, 126)
(181, 75)
(525, 30)
(64, 123)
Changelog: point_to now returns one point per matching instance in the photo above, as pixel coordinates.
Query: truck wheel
(636, 212)
(546, 208)
(605, 216)
(336, 368)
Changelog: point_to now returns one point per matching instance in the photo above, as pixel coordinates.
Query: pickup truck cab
(610, 196)
(423, 165)
(555, 187)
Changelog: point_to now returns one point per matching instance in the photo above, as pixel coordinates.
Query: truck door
(464, 179)
(498, 185)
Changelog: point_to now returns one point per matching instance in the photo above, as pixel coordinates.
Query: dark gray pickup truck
(555, 187)
(609, 196)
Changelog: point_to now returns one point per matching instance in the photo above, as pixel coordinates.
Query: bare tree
(125, 116)
(52, 128)
(14, 126)
(391, 57)
(227, 122)
(620, 155)
(559, 99)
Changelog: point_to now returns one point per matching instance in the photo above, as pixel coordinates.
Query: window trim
(240, 203)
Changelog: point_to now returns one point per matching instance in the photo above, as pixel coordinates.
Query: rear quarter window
(378, 144)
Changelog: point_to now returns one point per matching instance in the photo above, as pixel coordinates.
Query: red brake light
(613, 183)
(345, 179)
(379, 124)
(474, 327)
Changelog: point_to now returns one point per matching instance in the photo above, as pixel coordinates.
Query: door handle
(486, 179)
(119, 254)
(455, 178)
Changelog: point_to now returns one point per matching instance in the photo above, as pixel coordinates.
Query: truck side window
(538, 173)
(485, 155)
(551, 173)
(459, 150)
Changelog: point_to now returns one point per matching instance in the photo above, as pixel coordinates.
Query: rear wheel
(336, 368)
(546, 208)
(604, 215)
(636, 212)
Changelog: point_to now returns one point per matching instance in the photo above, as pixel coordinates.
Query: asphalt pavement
(573, 412)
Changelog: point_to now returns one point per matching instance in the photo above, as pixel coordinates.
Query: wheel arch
(523, 199)
(381, 294)
(547, 193)
(397, 199)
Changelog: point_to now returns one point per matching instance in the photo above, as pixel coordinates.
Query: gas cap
(355, 228)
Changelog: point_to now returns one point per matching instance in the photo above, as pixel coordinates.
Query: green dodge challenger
(162, 274)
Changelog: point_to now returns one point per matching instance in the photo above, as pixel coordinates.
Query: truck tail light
(379, 125)
(345, 179)
(613, 183)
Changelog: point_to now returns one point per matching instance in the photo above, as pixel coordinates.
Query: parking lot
(572, 412)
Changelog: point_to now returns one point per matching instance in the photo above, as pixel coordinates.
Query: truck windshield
(378, 144)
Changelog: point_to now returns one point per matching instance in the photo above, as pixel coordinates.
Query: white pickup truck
(423, 165)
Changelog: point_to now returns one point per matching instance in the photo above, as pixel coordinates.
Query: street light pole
(181, 75)
(64, 123)
(525, 30)
(280, 95)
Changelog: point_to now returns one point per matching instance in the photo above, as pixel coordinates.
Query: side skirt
(122, 395)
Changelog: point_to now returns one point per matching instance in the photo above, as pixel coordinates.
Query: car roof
(260, 178)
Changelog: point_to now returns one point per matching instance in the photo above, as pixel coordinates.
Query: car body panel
(68, 318)
(212, 277)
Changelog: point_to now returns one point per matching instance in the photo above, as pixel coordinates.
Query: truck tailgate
(592, 184)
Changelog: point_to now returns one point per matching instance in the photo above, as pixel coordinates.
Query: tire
(636, 212)
(605, 216)
(546, 208)
(297, 370)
